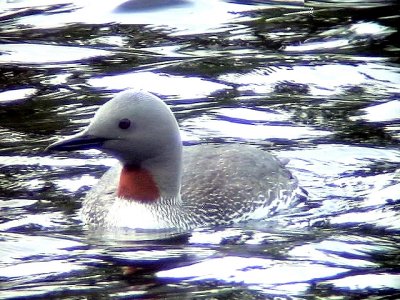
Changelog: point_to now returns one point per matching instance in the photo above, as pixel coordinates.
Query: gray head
(137, 128)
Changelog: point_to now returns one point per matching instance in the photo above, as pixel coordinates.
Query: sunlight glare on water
(32, 54)
(185, 17)
(191, 87)
(15, 95)
(258, 273)
(320, 79)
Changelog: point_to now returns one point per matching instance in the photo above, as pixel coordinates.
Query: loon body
(161, 185)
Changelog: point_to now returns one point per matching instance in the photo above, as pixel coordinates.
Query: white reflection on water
(247, 124)
(383, 218)
(29, 261)
(334, 257)
(385, 112)
(39, 268)
(321, 45)
(15, 95)
(257, 273)
(206, 126)
(74, 184)
(344, 37)
(321, 80)
(335, 159)
(248, 114)
(331, 252)
(172, 85)
(367, 281)
(370, 29)
(193, 16)
(43, 220)
(33, 54)
(14, 248)
(386, 189)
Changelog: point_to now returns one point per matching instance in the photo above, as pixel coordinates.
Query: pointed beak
(80, 141)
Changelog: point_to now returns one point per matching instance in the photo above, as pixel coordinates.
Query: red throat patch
(137, 184)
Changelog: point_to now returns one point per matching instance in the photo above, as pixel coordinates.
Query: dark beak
(80, 141)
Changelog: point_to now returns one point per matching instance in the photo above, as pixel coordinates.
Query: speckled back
(222, 183)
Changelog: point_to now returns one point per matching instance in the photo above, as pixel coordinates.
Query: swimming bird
(159, 184)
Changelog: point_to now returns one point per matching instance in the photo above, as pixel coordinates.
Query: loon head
(140, 130)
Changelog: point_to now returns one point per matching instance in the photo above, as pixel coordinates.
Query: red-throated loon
(160, 184)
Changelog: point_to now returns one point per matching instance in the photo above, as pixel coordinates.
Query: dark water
(318, 84)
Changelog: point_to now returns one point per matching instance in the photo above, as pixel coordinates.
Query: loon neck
(153, 180)
(154, 174)
(138, 184)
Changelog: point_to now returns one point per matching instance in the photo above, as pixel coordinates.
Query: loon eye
(124, 123)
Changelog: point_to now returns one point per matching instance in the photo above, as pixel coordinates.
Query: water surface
(316, 83)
